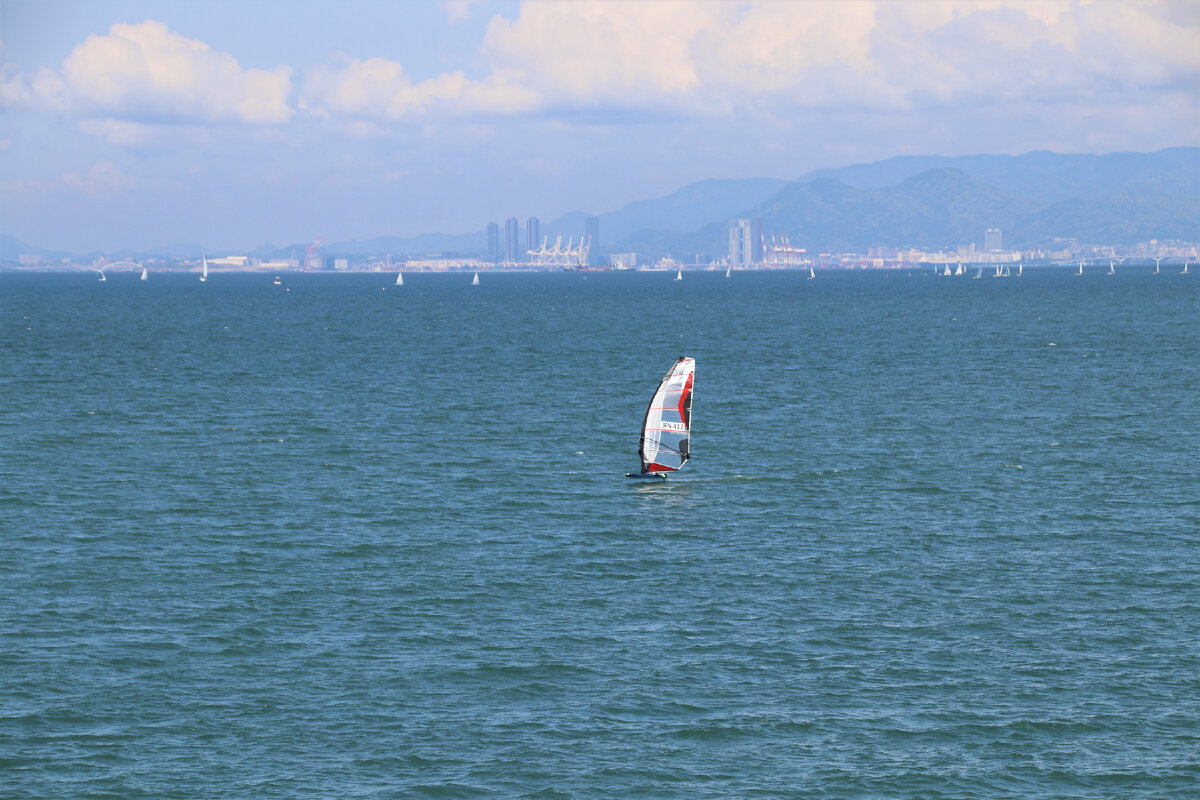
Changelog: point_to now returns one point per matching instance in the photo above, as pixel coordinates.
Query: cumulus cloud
(459, 10)
(102, 179)
(830, 55)
(378, 88)
(146, 73)
(639, 58)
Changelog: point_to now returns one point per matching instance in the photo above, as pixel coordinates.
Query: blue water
(940, 537)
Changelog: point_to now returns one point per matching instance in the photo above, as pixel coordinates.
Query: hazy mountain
(922, 201)
(1117, 219)
(11, 248)
(931, 202)
(683, 210)
(1041, 176)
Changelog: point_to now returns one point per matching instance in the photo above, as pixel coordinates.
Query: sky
(234, 125)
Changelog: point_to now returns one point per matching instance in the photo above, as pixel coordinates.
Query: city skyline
(136, 124)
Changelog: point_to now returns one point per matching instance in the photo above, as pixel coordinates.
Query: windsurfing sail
(667, 427)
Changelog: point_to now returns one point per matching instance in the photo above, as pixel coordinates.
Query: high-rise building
(533, 236)
(493, 242)
(511, 232)
(745, 241)
(591, 232)
(993, 240)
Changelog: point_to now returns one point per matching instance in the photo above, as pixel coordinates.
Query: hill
(934, 202)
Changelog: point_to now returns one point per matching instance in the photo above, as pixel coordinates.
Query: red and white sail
(667, 428)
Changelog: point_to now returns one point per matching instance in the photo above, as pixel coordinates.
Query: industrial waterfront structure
(591, 233)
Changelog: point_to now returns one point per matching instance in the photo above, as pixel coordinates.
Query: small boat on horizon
(399, 279)
(475, 280)
(204, 268)
(144, 274)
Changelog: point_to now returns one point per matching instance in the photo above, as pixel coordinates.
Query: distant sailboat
(399, 278)
(204, 269)
(144, 276)
(811, 274)
(979, 274)
(100, 271)
(958, 271)
(1019, 266)
(1080, 268)
(728, 271)
(947, 272)
(1185, 265)
(475, 280)
(678, 274)
(1156, 262)
(277, 281)
(1111, 271)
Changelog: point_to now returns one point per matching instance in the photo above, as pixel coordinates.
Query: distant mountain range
(930, 202)
(935, 202)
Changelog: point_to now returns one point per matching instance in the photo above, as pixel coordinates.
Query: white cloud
(633, 59)
(145, 73)
(378, 88)
(101, 180)
(459, 10)
(709, 57)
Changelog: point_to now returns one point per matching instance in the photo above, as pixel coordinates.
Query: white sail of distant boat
(277, 282)
(666, 428)
(728, 271)
(947, 272)
(811, 274)
(678, 274)
(204, 268)
(1185, 266)
(1080, 268)
(958, 271)
(1156, 262)
(979, 274)
(1019, 267)
(144, 276)
(475, 280)
(399, 278)
(100, 271)
(1111, 271)
(1007, 271)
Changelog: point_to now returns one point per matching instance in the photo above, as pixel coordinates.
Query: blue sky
(234, 124)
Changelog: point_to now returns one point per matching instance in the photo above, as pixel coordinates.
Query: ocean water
(940, 537)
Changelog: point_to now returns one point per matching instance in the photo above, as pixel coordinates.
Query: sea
(337, 538)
